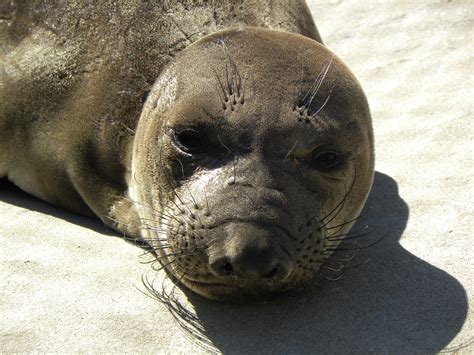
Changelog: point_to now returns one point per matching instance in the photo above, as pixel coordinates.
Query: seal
(228, 139)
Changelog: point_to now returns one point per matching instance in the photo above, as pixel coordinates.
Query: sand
(68, 285)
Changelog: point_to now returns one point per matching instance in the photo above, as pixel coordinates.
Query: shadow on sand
(12, 195)
(396, 303)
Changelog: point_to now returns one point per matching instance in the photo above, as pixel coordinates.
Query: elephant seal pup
(253, 152)
(248, 161)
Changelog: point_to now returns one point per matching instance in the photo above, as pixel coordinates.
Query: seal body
(222, 134)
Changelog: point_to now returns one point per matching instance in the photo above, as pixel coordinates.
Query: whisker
(345, 223)
(196, 206)
(340, 258)
(176, 256)
(327, 278)
(322, 106)
(344, 236)
(360, 248)
(208, 211)
(229, 151)
(168, 180)
(320, 82)
(308, 98)
(342, 203)
(222, 95)
(333, 269)
(289, 152)
(188, 321)
(337, 208)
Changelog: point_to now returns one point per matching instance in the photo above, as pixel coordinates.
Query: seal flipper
(109, 204)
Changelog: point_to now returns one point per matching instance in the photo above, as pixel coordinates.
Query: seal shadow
(11, 194)
(396, 303)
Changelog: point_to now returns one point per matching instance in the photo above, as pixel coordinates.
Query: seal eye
(325, 159)
(190, 141)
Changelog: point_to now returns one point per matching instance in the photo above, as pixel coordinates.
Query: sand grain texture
(67, 285)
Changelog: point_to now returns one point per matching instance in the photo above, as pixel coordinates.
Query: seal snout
(256, 266)
(251, 253)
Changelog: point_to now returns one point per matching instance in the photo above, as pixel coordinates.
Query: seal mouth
(230, 292)
(214, 290)
(212, 285)
(209, 284)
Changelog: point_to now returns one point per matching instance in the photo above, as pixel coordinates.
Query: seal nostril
(221, 267)
(227, 269)
(271, 274)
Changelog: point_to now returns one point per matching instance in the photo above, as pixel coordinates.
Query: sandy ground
(68, 285)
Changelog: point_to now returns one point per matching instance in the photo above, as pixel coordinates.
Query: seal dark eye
(190, 141)
(325, 159)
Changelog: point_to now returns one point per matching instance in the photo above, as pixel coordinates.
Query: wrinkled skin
(243, 177)
(219, 133)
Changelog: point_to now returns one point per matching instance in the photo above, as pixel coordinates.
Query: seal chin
(226, 292)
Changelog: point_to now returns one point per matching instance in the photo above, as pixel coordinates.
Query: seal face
(252, 157)
(243, 167)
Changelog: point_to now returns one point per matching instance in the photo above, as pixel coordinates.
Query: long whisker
(345, 236)
(345, 223)
(185, 319)
(289, 152)
(341, 204)
(229, 151)
(308, 98)
(326, 69)
(223, 94)
(335, 210)
(172, 187)
(322, 106)
(360, 248)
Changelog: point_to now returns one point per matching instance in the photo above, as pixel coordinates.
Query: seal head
(252, 156)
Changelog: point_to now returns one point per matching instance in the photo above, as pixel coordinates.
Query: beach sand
(68, 285)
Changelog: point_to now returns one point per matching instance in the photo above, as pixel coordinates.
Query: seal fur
(236, 166)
